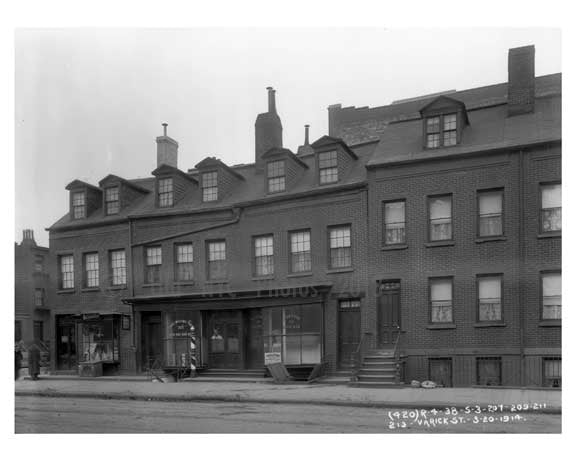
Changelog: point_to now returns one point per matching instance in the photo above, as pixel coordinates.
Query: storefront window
(99, 340)
(293, 331)
(182, 339)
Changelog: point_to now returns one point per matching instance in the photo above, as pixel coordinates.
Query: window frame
(291, 254)
(384, 203)
(255, 257)
(479, 192)
(61, 273)
(205, 188)
(39, 263)
(496, 359)
(168, 193)
(429, 199)
(108, 202)
(276, 176)
(441, 129)
(555, 358)
(332, 167)
(449, 360)
(541, 230)
(430, 300)
(39, 301)
(74, 206)
(85, 270)
(329, 231)
(147, 267)
(209, 261)
(541, 292)
(111, 268)
(177, 263)
(478, 278)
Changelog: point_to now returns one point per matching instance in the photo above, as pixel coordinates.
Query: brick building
(419, 239)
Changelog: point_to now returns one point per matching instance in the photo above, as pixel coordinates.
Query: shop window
(441, 300)
(440, 371)
(394, 222)
(276, 176)
(66, 272)
(440, 216)
(118, 267)
(217, 269)
(99, 340)
(328, 167)
(112, 200)
(182, 345)
(38, 297)
(294, 332)
(300, 257)
(210, 186)
(489, 298)
(489, 371)
(91, 270)
(551, 296)
(552, 372)
(79, 205)
(490, 213)
(550, 208)
(165, 192)
(340, 247)
(184, 262)
(153, 264)
(264, 255)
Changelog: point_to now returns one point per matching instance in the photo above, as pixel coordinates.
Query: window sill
(441, 326)
(495, 238)
(182, 283)
(549, 235)
(550, 323)
(489, 324)
(441, 243)
(216, 282)
(88, 290)
(400, 246)
(299, 274)
(340, 270)
(66, 292)
(150, 285)
(258, 278)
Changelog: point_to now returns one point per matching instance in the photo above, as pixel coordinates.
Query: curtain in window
(489, 293)
(394, 221)
(441, 298)
(441, 218)
(490, 210)
(552, 208)
(552, 296)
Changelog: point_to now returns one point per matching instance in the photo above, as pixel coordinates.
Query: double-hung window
(153, 264)
(165, 192)
(79, 205)
(210, 186)
(328, 167)
(441, 131)
(38, 297)
(489, 298)
(91, 270)
(217, 269)
(112, 200)
(440, 215)
(552, 371)
(117, 267)
(490, 221)
(276, 176)
(551, 296)
(263, 255)
(300, 256)
(441, 300)
(340, 247)
(551, 208)
(66, 272)
(394, 222)
(184, 262)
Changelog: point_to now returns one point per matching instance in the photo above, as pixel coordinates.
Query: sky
(90, 102)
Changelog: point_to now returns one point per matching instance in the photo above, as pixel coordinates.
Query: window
(441, 130)
(153, 264)
(490, 213)
(441, 300)
(217, 260)
(184, 262)
(440, 213)
(489, 371)
(552, 296)
(38, 330)
(91, 270)
(328, 167)
(440, 371)
(340, 247)
(112, 200)
(165, 192)
(210, 186)
(300, 257)
(264, 255)
(394, 222)
(551, 208)
(17, 330)
(66, 272)
(276, 176)
(38, 263)
(552, 372)
(79, 205)
(39, 297)
(489, 298)
(118, 267)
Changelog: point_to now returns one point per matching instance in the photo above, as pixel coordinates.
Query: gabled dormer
(283, 168)
(333, 160)
(216, 179)
(84, 199)
(118, 193)
(443, 120)
(171, 185)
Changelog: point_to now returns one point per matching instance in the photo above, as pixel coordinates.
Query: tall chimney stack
(268, 129)
(306, 135)
(271, 99)
(521, 80)
(167, 149)
(28, 237)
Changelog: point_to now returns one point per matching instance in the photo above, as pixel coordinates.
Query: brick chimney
(521, 80)
(28, 237)
(268, 129)
(167, 149)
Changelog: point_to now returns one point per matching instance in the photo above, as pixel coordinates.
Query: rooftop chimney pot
(306, 135)
(271, 99)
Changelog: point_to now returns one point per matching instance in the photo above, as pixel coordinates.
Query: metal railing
(396, 355)
(358, 356)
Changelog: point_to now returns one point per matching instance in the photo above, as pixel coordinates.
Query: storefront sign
(272, 357)
(182, 328)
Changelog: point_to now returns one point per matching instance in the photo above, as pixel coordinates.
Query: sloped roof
(213, 162)
(113, 177)
(326, 141)
(77, 184)
(282, 151)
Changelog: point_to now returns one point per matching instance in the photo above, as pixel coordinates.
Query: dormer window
(79, 205)
(328, 167)
(112, 200)
(210, 186)
(165, 192)
(276, 176)
(441, 131)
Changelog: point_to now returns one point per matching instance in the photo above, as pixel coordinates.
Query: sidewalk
(138, 388)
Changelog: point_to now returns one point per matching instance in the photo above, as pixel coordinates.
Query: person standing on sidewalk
(17, 361)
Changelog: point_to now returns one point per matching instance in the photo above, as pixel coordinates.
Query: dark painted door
(225, 340)
(151, 340)
(254, 342)
(441, 371)
(388, 313)
(348, 332)
(66, 346)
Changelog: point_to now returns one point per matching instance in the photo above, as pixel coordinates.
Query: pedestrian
(34, 362)
(17, 361)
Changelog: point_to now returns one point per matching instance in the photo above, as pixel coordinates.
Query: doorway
(348, 331)
(66, 356)
(225, 338)
(151, 339)
(388, 313)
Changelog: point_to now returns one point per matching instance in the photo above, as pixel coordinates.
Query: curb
(238, 398)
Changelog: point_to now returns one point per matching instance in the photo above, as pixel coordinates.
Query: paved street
(87, 415)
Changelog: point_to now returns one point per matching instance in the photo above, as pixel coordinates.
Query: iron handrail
(358, 356)
(395, 353)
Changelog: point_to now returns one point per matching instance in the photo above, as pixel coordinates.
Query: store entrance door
(66, 358)
(151, 339)
(225, 339)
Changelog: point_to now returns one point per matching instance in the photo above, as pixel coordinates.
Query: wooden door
(151, 340)
(225, 340)
(254, 341)
(388, 313)
(66, 357)
(348, 332)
